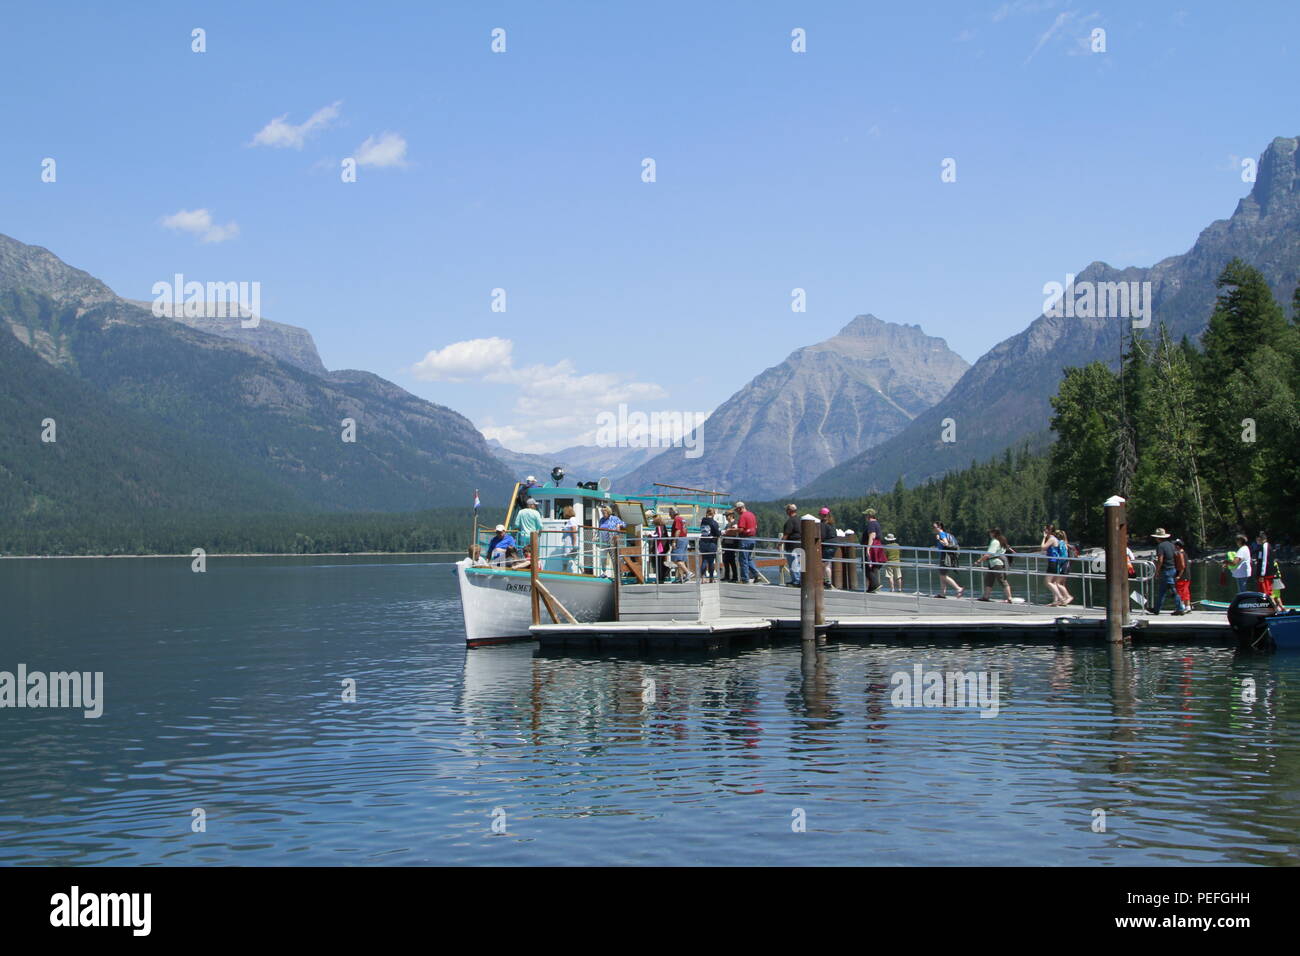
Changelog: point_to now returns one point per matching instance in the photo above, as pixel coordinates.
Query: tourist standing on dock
(1262, 555)
(792, 535)
(610, 524)
(947, 544)
(894, 565)
(529, 521)
(873, 549)
(1166, 572)
(996, 556)
(1183, 573)
(683, 573)
(661, 537)
(710, 534)
(730, 548)
(1239, 563)
(829, 547)
(746, 531)
(1057, 563)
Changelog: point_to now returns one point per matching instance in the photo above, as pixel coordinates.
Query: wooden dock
(712, 616)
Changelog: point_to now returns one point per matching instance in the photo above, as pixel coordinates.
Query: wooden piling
(533, 580)
(810, 582)
(1117, 609)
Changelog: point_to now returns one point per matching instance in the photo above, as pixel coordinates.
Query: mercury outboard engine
(1246, 616)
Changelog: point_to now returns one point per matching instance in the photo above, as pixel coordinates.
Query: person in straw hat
(893, 563)
(1166, 572)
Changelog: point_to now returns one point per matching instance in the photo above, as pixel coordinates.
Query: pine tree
(1246, 317)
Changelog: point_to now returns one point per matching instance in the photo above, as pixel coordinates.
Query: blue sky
(522, 171)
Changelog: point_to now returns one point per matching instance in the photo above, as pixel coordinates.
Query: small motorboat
(1284, 629)
(1257, 626)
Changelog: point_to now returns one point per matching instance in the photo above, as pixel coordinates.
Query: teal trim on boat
(515, 573)
(1223, 606)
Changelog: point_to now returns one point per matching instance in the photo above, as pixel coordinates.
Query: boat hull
(497, 604)
(1284, 629)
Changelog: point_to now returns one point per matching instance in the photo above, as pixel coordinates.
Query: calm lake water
(223, 692)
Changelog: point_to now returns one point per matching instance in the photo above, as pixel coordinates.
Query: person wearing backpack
(1167, 572)
(1057, 562)
(1182, 573)
(947, 543)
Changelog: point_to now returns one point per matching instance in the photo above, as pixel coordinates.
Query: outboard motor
(1246, 616)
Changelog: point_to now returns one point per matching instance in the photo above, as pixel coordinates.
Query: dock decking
(711, 616)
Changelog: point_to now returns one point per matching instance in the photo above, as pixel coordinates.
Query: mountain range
(153, 414)
(580, 462)
(822, 405)
(1003, 400)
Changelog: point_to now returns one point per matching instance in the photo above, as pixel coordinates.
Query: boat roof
(559, 491)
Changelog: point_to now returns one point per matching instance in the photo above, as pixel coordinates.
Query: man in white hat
(500, 543)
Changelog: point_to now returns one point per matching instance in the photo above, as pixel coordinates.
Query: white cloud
(198, 222)
(463, 361)
(1051, 31)
(555, 405)
(389, 149)
(507, 435)
(280, 134)
(1020, 7)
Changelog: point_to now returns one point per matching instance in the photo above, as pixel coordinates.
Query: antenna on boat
(697, 491)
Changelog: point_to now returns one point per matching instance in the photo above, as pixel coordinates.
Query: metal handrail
(598, 552)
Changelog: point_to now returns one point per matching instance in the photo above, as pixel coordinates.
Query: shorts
(995, 576)
(829, 552)
(1184, 588)
(1058, 566)
(679, 550)
(1266, 585)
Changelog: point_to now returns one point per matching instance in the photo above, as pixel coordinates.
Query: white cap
(530, 478)
(501, 527)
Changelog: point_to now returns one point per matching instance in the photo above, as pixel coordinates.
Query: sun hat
(890, 537)
(1160, 533)
(870, 512)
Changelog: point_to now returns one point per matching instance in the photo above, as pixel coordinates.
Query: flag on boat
(476, 499)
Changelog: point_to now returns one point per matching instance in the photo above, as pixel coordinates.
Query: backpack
(948, 541)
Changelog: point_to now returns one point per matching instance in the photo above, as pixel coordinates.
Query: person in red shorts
(1264, 564)
(1183, 578)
